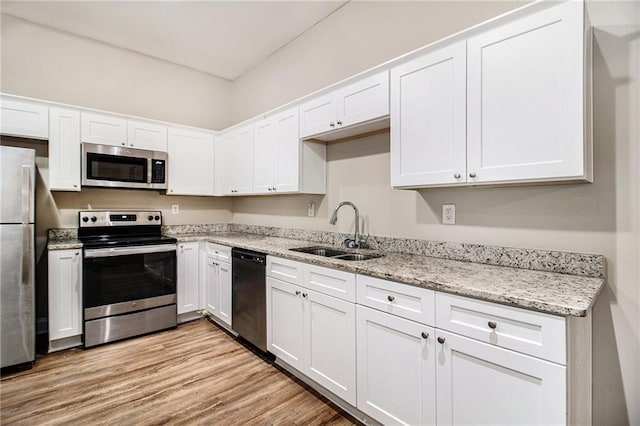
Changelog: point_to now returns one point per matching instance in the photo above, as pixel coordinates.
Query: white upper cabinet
(103, 129)
(358, 103)
(526, 117)
(64, 149)
(24, 118)
(283, 163)
(428, 119)
(236, 161)
(191, 162)
(143, 135)
(526, 105)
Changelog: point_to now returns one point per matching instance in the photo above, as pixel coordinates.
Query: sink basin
(321, 251)
(358, 256)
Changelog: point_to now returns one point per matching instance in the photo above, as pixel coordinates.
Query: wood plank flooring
(195, 374)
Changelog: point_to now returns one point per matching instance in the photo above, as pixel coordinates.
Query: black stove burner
(129, 240)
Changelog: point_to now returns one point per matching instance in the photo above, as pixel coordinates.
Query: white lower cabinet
(285, 322)
(218, 288)
(188, 285)
(396, 369)
(315, 334)
(480, 384)
(65, 295)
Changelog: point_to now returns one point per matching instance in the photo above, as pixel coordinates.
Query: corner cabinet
(508, 105)
(286, 164)
(64, 149)
(65, 298)
(191, 162)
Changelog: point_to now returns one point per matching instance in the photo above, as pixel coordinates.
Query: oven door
(127, 279)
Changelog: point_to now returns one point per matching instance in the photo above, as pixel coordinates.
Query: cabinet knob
(297, 292)
(77, 253)
(441, 340)
(339, 123)
(472, 174)
(492, 325)
(331, 124)
(425, 335)
(456, 175)
(304, 295)
(391, 298)
(122, 144)
(75, 186)
(274, 189)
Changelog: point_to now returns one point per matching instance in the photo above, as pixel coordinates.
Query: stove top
(121, 228)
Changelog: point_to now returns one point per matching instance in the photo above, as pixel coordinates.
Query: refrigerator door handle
(26, 230)
(26, 194)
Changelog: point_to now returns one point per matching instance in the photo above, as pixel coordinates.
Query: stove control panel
(119, 218)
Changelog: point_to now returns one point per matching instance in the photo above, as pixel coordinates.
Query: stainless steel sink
(320, 251)
(358, 256)
(335, 253)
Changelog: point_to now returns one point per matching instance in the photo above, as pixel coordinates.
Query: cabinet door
(364, 100)
(243, 157)
(224, 285)
(191, 162)
(144, 135)
(226, 163)
(285, 322)
(23, 118)
(287, 177)
(266, 156)
(525, 105)
(212, 284)
(396, 369)
(103, 129)
(428, 113)
(187, 277)
(65, 293)
(64, 149)
(480, 384)
(318, 115)
(330, 344)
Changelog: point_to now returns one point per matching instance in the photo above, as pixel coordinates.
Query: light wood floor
(196, 374)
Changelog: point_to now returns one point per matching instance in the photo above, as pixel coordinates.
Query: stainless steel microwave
(121, 167)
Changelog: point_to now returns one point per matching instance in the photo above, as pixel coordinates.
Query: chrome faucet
(357, 241)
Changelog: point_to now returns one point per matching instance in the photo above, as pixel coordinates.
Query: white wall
(48, 64)
(44, 63)
(603, 217)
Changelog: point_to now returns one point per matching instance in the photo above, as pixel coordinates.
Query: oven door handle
(124, 251)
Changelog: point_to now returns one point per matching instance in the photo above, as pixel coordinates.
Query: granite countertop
(555, 293)
(551, 292)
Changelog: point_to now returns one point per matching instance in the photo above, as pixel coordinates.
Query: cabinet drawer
(533, 333)
(414, 303)
(219, 252)
(285, 270)
(335, 283)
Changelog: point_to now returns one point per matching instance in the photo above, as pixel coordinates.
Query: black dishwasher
(249, 297)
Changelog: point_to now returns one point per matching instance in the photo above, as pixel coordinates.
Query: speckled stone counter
(561, 294)
(555, 282)
(63, 239)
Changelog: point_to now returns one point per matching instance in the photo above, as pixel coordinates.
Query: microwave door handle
(149, 170)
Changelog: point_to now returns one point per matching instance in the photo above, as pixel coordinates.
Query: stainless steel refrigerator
(17, 301)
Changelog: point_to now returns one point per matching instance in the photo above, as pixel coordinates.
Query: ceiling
(223, 38)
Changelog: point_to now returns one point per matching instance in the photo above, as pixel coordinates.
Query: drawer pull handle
(441, 340)
(492, 325)
(297, 292)
(391, 298)
(425, 335)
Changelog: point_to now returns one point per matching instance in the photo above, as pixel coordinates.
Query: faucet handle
(350, 243)
(363, 240)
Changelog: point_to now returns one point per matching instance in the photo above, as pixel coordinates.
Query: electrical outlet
(449, 214)
(175, 208)
(311, 210)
